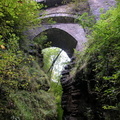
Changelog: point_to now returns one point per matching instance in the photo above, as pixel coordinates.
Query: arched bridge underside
(67, 36)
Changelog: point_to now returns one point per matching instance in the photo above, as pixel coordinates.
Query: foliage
(102, 56)
(40, 40)
(56, 88)
(24, 76)
(37, 105)
(17, 16)
(23, 84)
(86, 20)
(104, 43)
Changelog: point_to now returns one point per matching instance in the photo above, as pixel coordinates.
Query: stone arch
(60, 38)
(74, 31)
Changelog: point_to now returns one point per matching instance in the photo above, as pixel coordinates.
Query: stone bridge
(67, 36)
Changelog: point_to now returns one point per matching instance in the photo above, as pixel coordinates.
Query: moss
(34, 105)
(30, 98)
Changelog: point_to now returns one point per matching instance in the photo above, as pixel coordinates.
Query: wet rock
(65, 72)
(68, 67)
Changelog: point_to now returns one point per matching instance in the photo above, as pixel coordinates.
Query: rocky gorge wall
(79, 102)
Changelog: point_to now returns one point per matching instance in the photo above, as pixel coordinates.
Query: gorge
(90, 81)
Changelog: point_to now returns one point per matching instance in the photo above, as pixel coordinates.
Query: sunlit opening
(54, 61)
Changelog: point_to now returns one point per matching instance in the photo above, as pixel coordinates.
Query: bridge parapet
(60, 17)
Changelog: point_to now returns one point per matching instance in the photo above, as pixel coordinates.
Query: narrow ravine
(60, 61)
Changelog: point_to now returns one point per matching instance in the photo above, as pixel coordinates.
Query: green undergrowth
(35, 105)
(56, 89)
(24, 86)
(24, 94)
(100, 63)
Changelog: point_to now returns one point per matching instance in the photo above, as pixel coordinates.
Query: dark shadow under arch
(61, 39)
